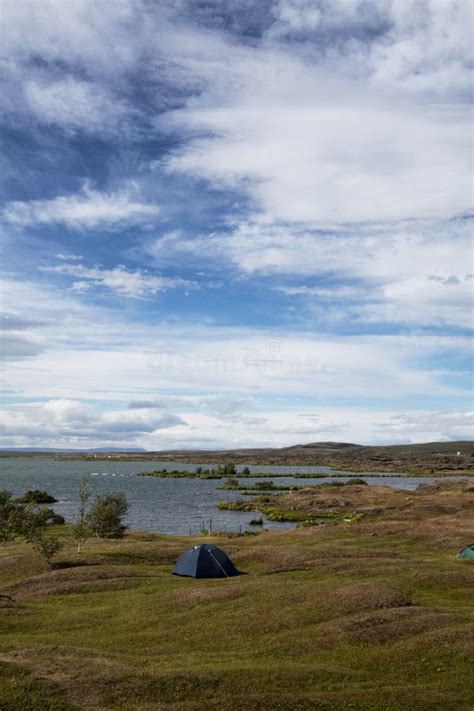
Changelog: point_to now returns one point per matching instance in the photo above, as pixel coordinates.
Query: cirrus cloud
(84, 210)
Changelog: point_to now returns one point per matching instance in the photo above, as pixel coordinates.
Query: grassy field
(377, 614)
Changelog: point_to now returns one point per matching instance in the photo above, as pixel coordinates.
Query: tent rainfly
(205, 561)
(466, 553)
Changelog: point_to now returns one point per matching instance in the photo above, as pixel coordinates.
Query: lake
(173, 506)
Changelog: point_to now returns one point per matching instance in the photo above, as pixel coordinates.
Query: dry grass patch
(362, 597)
(276, 559)
(71, 580)
(384, 625)
(444, 498)
(194, 597)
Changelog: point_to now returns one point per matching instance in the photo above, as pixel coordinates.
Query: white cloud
(59, 423)
(85, 210)
(18, 345)
(363, 118)
(100, 36)
(232, 386)
(210, 361)
(325, 160)
(409, 272)
(430, 46)
(298, 16)
(74, 104)
(428, 425)
(34, 425)
(69, 257)
(120, 280)
(341, 112)
(287, 427)
(62, 420)
(334, 136)
(51, 318)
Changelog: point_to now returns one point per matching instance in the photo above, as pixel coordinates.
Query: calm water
(174, 506)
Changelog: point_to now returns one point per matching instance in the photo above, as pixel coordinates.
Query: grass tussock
(384, 625)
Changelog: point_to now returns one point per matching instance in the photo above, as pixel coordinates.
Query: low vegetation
(428, 459)
(235, 485)
(369, 616)
(26, 518)
(37, 497)
(23, 518)
(220, 472)
(106, 516)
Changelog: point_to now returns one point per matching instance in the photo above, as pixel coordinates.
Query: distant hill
(426, 458)
(54, 450)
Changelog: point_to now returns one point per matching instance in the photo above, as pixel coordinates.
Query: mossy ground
(370, 615)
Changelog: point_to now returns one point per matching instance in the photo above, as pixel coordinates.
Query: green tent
(467, 552)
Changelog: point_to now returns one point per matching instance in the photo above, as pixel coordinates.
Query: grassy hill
(367, 616)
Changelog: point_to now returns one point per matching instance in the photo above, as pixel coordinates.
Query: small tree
(229, 469)
(46, 545)
(28, 521)
(81, 529)
(106, 515)
(8, 518)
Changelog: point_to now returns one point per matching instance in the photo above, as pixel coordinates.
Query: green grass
(319, 620)
(20, 692)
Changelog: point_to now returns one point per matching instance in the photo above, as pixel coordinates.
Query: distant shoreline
(430, 459)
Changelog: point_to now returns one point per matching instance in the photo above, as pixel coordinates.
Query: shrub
(264, 485)
(28, 520)
(227, 470)
(55, 519)
(231, 482)
(8, 517)
(81, 529)
(46, 545)
(36, 497)
(106, 515)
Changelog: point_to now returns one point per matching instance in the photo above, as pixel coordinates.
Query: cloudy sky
(235, 223)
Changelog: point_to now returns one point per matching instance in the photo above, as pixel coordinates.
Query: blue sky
(236, 223)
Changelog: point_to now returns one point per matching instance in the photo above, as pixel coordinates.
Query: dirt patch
(70, 580)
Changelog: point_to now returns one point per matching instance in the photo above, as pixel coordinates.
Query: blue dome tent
(467, 553)
(205, 561)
